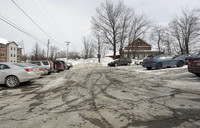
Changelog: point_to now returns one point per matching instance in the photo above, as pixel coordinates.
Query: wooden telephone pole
(67, 49)
(48, 49)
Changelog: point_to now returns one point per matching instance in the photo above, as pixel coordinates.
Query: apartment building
(10, 51)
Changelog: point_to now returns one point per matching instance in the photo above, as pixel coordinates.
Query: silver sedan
(12, 74)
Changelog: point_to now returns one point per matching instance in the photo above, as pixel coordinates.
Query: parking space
(124, 96)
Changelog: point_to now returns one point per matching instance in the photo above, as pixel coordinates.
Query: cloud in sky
(69, 20)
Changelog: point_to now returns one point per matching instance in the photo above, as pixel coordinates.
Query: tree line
(117, 25)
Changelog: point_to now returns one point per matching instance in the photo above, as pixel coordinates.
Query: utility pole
(48, 49)
(67, 42)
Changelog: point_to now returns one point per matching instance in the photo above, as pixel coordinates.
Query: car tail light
(191, 61)
(40, 69)
(59, 66)
(28, 69)
(50, 63)
(151, 61)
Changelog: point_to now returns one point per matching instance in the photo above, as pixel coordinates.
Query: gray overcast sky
(69, 20)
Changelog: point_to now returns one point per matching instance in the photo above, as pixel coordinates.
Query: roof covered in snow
(3, 41)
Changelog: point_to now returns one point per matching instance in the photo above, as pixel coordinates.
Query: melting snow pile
(92, 62)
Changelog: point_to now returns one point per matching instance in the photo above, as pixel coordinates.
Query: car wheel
(149, 68)
(116, 64)
(159, 66)
(180, 64)
(12, 81)
(141, 63)
(197, 74)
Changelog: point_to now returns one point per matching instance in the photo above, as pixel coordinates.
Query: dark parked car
(194, 63)
(58, 66)
(65, 65)
(120, 61)
(159, 61)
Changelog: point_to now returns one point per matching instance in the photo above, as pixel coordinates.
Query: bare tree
(88, 51)
(53, 52)
(36, 51)
(62, 54)
(124, 28)
(119, 25)
(99, 43)
(74, 55)
(24, 54)
(43, 53)
(186, 29)
(158, 36)
(107, 21)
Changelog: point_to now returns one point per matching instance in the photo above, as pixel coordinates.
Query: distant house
(10, 51)
(139, 49)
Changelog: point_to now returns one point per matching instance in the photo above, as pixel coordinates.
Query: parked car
(58, 66)
(64, 64)
(139, 62)
(45, 64)
(120, 61)
(184, 56)
(159, 61)
(40, 69)
(12, 74)
(43, 70)
(194, 63)
(69, 65)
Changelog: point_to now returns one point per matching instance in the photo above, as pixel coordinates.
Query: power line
(33, 20)
(40, 9)
(52, 19)
(18, 28)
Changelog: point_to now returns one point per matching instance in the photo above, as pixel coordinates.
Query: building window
(2, 46)
(11, 55)
(14, 55)
(2, 54)
(2, 60)
(18, 56)
(11, 48)
(139, 43)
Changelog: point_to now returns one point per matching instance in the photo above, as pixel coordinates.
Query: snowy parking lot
(95, 96)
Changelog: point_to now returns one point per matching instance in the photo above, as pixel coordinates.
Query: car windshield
(38, 63)
(116, 60)
(34, 65)
(20, 65)
(181, 56)
(196, 54)
(151, 57)
(45, 62)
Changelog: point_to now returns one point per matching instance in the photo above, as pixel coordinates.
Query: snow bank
(92, 62)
